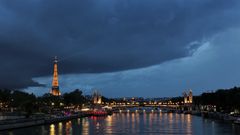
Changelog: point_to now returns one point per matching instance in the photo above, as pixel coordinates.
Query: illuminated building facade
(97, 98)
(188, 97)
(55, 86)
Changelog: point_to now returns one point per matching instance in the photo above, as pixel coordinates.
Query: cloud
(212, 66)
(103, 36)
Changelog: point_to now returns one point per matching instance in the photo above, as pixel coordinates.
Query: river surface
(134, 124)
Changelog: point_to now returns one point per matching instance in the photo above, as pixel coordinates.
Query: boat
(99, 113)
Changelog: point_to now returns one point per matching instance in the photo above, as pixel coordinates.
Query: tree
(23, 101)
(74, 98)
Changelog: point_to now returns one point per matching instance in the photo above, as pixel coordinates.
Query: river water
(134, 124)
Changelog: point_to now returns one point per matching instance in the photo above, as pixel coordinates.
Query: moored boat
(100, 113)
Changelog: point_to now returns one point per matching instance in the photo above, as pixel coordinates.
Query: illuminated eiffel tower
(55, 86)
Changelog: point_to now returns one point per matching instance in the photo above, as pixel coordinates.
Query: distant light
(52, 126)
(60, 124)
(85, 109)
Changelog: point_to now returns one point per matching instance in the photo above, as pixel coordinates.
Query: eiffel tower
(55, 86)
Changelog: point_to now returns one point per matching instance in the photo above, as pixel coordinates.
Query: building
(188, 97)
(55, 86)
(185, 97)
(97, 98)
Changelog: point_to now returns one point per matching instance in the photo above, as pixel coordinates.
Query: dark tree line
(225, 100)
(74, 98)
(29, 103)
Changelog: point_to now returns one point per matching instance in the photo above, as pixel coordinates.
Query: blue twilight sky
(120, 47)
(213, 65)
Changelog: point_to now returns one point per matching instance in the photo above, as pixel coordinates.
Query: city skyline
(121, 48)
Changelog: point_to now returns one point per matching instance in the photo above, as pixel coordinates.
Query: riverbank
(28, 122)
(220, 116)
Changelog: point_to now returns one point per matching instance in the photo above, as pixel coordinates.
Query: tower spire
(55, 86)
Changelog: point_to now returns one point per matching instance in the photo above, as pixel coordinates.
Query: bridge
(171, 107)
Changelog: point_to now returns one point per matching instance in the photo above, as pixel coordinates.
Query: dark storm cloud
(103, 35)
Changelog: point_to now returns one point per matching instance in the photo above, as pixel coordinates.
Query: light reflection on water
(109, 125)
(60, 127)
(134, 123)
(52, 129)
(85, 126)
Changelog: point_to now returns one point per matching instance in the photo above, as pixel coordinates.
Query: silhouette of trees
(226, 100)
(20, 100)
(29, 103)
(74, 98)
(5, 95)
